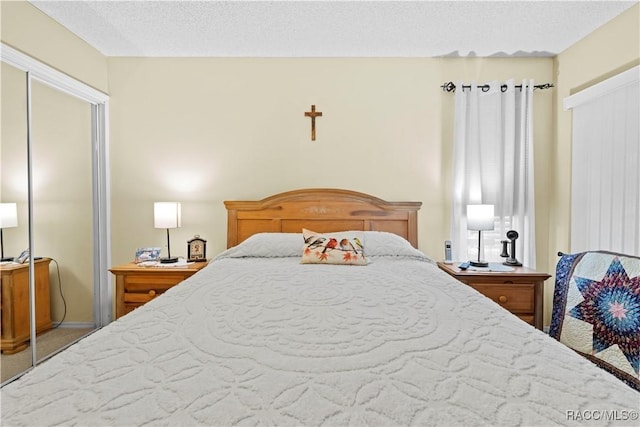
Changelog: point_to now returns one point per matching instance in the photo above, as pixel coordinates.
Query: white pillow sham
(382, 243)
(267, 245)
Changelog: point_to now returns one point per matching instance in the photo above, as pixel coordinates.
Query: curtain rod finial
(448, 87)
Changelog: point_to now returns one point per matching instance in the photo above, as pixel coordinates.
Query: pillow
(266, 245)
(383, 243)
(596, 310)
(340, 248)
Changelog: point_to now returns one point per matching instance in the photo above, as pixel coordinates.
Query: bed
(260, 337)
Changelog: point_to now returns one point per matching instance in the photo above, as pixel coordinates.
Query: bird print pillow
(341, 248)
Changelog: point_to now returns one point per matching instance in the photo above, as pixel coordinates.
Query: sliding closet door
(55, 168)
(61, 141)
(15, 323)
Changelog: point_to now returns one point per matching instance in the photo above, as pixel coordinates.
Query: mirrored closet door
(54, 171)
(62, 214)
(16, 323)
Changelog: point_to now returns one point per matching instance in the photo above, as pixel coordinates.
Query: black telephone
(512, 235)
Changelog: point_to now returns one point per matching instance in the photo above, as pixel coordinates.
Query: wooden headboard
(321, 210)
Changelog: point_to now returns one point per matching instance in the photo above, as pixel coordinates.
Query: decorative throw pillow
(596, 310)
(345, 248)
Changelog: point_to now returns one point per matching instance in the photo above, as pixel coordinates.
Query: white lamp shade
(480, 217)
(167, 214)
(8, 215)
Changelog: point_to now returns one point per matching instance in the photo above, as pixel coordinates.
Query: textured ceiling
(331, 28)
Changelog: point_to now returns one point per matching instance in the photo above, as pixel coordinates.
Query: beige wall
(26, 28)
(205, 130)
(609, 50)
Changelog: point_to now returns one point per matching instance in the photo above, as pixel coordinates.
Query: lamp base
(479, 263)
(513, 263)
(168, 260)
(8, 258)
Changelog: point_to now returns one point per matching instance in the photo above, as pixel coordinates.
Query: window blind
(605, 178)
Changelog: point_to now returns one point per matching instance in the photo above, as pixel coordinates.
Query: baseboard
(77, 325)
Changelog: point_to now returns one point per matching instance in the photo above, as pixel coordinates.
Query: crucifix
(313, 114)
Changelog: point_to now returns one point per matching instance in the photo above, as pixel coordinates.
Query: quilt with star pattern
(596, 310)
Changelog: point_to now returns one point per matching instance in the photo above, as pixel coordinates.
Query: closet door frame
(36, 70)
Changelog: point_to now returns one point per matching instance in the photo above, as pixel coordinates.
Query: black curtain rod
(451, 87)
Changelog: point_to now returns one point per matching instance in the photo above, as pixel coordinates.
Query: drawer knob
(152, 293)
(502, 299)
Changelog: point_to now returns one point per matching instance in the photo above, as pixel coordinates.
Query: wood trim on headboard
(322, 210)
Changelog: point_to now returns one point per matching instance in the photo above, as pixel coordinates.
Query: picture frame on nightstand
(197, 249)
(147, 254)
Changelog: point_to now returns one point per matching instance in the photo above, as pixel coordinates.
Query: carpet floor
(46, 343)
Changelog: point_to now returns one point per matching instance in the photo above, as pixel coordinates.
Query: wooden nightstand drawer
(145, 283)
(140, 297)
(515, 298)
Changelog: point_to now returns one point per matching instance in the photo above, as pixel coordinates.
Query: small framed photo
(147, 254)
(197, 249)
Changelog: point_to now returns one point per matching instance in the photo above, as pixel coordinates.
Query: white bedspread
(268, 341)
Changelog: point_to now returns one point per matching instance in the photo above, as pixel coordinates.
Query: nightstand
(16, 320)
(137, 285)
(520, 291)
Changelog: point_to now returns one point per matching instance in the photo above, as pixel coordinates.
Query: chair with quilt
(596, 310)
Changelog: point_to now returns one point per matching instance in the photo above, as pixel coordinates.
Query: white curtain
(493, 164)
(605, 174)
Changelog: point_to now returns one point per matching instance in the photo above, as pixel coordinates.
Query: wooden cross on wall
(313, 114)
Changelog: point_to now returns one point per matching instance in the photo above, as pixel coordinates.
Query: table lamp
(8, 219)
(167, 215)
(480, 218)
